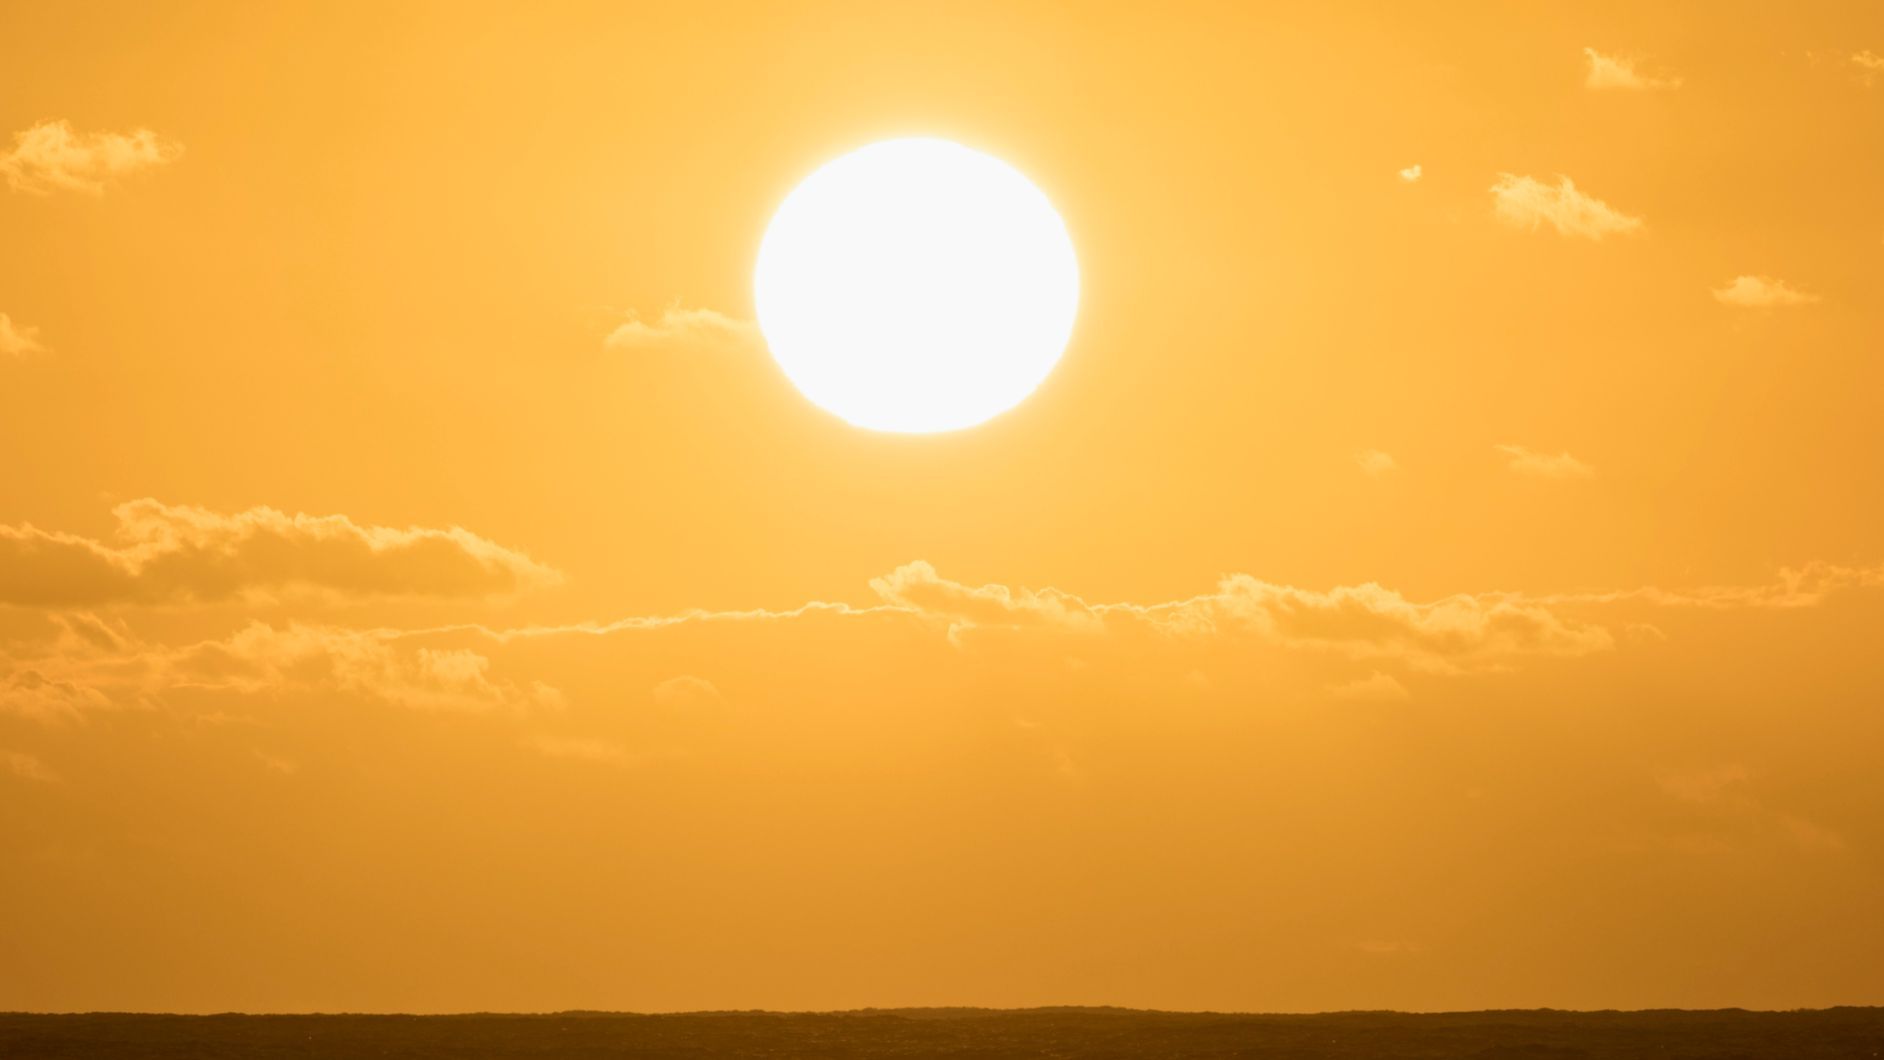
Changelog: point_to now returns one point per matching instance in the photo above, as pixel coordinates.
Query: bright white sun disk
(916, 285)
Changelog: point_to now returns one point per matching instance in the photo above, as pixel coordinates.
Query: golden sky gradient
(1446, 569)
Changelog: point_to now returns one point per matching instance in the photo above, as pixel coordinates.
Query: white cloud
(1375, 462)
(678, 327)
(1543, 465)
(1413, 173)
(1615, 71)
(52, 157)
(1761, 292)
(1529, 203)
(17, 340)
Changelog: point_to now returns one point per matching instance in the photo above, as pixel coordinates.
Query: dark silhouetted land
(1057, 1032)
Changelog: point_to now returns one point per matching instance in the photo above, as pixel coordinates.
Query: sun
(916, 285)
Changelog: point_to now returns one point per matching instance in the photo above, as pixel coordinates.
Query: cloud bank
(174, 553)
(51, 157)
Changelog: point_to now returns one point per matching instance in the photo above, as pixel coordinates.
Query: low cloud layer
(52, 156)
(1529, 204)
(1455, 634)
(93, 664)
(174, 553)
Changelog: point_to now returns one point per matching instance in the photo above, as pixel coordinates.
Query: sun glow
(916, 286)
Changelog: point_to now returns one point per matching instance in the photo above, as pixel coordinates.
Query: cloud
(1528, 203)
(1615, 71)
(1869, 65)
(1530, 462)
(1374, 688)
(686, 691)
(1723, 798)
(1806, 586)
(1412, 173)
(916, 587)
(373, 665)
(17, 340)
(26, 767)
(52, 157)
(1375, 462)
(678, 327)
(90, 663)
(1761, 292)
(174, 553)
(1451, 635)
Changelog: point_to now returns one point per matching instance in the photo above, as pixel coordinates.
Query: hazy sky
(1445, 571)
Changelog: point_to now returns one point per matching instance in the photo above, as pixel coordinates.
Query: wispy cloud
(679, 327)
(94, 664)
(76, 676)
(1452, 635)
(1376, 687)
(174, 553)
(1620, 72)
(1761, 292)
(1869, 64)
(1529, 203)
(18, 340)
(51, 157)
(25, 767)
(1375, 462)
(1526, 461)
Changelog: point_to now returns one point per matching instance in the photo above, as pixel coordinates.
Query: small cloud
(1413, 173)
(26, 767)
(275, 763)
(678, 327)
(1530, 462)
(52, 157)
(686, 691)
(1375, 462)
(1762, 292)
(1869, 65)
(1528, 203)
(17, 340)
(1374, 688)
(1615, 71)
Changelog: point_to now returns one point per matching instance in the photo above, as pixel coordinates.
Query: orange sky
(419, 590)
